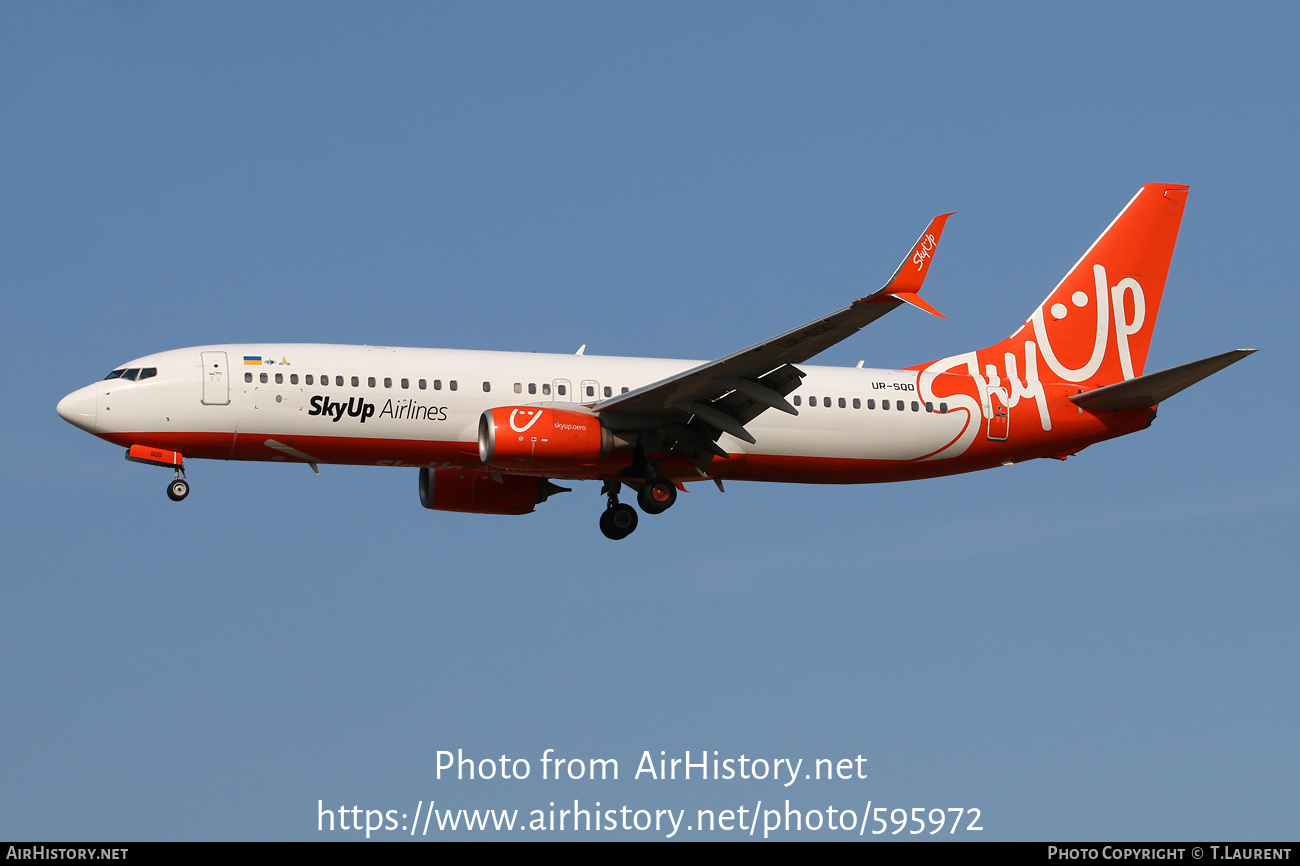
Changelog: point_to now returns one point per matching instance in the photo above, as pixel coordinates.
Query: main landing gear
(656, 496)
(618, 521)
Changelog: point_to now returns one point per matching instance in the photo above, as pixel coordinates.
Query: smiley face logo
(514, 424)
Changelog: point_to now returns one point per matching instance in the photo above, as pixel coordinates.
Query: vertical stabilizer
(1095, 327)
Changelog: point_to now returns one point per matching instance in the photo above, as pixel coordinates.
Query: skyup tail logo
(334, 410)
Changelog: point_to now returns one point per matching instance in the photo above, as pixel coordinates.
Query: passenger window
(338, 381)
(452, 384)
(546, 389)
(532, 387)
(899, 405)
(591, 391)
(356, 382)
(826, 401)
(279, 378)
(841, 402)
(916, 407)
(519, 387)
(624, 391)
(261, 377)
(308, 379)
(857, 404)
(406, 383)
(560, 389)
(248, 377)
(796, 399)
(884, 404)
(131, 374)
(609, 392)
(388, 383)
(943, 408)
(149, 372)
(487, 386)
(812, 401)
(929, 407)
(293, 378)
(437, 384)
(371, 381)
(871, 404)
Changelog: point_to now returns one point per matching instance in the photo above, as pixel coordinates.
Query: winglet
(907, 280)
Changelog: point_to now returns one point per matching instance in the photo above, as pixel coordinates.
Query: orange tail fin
(1095, 327)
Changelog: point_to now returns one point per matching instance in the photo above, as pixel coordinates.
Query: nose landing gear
(178, 489)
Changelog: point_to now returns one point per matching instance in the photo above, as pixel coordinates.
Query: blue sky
(1103, 648)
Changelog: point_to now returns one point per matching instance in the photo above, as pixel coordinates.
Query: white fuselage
(420, 407)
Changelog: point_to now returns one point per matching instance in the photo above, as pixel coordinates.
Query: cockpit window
(148, 372)
(131, 374)
(114, 375)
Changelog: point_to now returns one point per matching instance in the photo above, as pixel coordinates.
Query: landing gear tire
(656, 496)
(178, 490)
(618, 521)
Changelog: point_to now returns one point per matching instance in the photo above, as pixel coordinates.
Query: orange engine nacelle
(541, 439)
(478, 493)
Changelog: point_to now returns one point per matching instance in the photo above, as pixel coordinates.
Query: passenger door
(216, 381)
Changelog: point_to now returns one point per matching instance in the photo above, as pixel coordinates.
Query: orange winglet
(910, 276)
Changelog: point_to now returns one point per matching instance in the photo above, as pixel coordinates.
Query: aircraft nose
(78, 409)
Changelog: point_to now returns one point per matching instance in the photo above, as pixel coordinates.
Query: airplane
(490, 432)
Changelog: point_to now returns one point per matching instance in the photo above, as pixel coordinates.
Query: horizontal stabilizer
(1156, 387)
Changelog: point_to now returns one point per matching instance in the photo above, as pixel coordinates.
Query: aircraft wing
(690, 410)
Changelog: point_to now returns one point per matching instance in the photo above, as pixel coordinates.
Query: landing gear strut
(619, 519)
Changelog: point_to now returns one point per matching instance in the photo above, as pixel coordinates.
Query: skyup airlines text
(356, 407)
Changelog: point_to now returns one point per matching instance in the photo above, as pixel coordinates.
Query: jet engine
(479, 493)
(541, 439)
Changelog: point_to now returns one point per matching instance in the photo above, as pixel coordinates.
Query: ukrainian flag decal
(252, 360)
